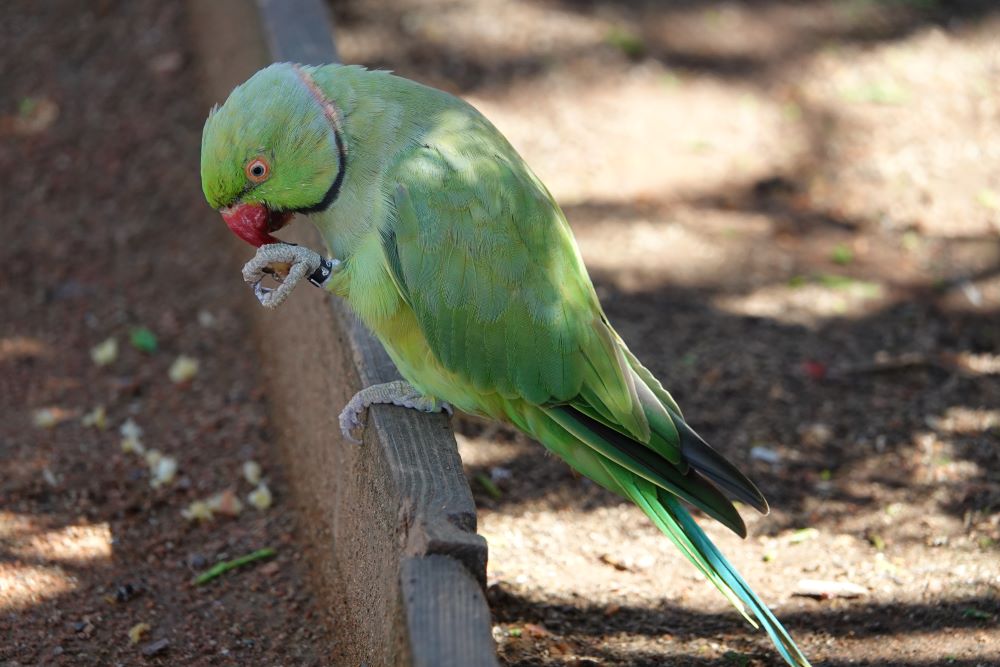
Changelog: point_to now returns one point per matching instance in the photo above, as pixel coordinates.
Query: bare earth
(792, 214)
(791, 211)
(106, 230)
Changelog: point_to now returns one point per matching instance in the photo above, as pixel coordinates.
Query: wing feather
(485, 259)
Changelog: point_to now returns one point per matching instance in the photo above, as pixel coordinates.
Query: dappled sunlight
(806, 302)
(38, 562)
(646, 135)
(474, 454)
(653, 249)
(970, 295)
(23, 585)
(979, 364)
(463, 28)
(78, 545)
(909, 143)
(965, 420)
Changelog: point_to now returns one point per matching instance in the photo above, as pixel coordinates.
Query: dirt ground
(791, 211)
(792, 214)
(107, 231)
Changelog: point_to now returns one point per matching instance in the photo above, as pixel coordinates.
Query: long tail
(670, 516)
(631, 469)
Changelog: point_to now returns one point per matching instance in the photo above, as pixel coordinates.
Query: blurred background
(791, 211)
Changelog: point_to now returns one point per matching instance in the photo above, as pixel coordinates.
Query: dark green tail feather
(713, 465)
(644, 462)
(779, 635)
(657, 487)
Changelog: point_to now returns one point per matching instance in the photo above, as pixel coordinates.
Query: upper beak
(254, 222)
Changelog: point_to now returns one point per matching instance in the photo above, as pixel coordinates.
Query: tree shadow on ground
(690, 36)
(701, 36)
(746, 380)
(740, 381)
(672, 622)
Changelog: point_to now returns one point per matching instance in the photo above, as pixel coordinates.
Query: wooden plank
(439, 596)
(298, 31)
(399, 562)
(421, 453)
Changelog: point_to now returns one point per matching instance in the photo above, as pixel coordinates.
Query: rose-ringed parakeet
(456, 256)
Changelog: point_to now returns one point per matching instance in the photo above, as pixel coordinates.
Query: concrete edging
(394, 523)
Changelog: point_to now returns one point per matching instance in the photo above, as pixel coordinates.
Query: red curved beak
(254, 222)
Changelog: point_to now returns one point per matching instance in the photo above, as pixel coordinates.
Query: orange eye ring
(257, 170)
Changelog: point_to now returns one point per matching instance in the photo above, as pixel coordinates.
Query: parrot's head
(275, 148)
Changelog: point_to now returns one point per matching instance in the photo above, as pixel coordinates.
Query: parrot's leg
(399, 393)
(302, 263)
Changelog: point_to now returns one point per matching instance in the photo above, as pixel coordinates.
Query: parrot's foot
(288, 264)
(399, 393)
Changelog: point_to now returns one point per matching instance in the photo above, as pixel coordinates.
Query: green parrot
(457, 257)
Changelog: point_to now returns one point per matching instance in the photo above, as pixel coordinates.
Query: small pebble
(226, 503)
(136, 632)
(126, 592)
(164, 471)
(97, 418)
(260, 497)
(155, 648)
(766, 455)
(129, 429)
(51, 417)
(133, 446)
(104, 353)
(183, 369)
(252, 472)
(199, 510)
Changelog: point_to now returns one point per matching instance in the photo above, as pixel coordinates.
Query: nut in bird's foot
(287, 263)
(277, 270)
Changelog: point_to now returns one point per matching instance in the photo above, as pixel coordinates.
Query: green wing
(484, 257)
(487, 262)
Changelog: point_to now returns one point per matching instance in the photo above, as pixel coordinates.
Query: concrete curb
(394, 523)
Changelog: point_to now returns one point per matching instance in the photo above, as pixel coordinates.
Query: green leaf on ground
(143, 339)
(842, 254)
(221, 568)
(886, 92)
(862, 287)
(626, 41)
(803, 535)
(978, 614)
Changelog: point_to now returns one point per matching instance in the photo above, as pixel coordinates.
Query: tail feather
(632, 469)
(671, 517)
(779, 635)
(644, 462)
(710, 463)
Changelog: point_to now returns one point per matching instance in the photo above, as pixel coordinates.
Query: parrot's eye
(257, 170)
